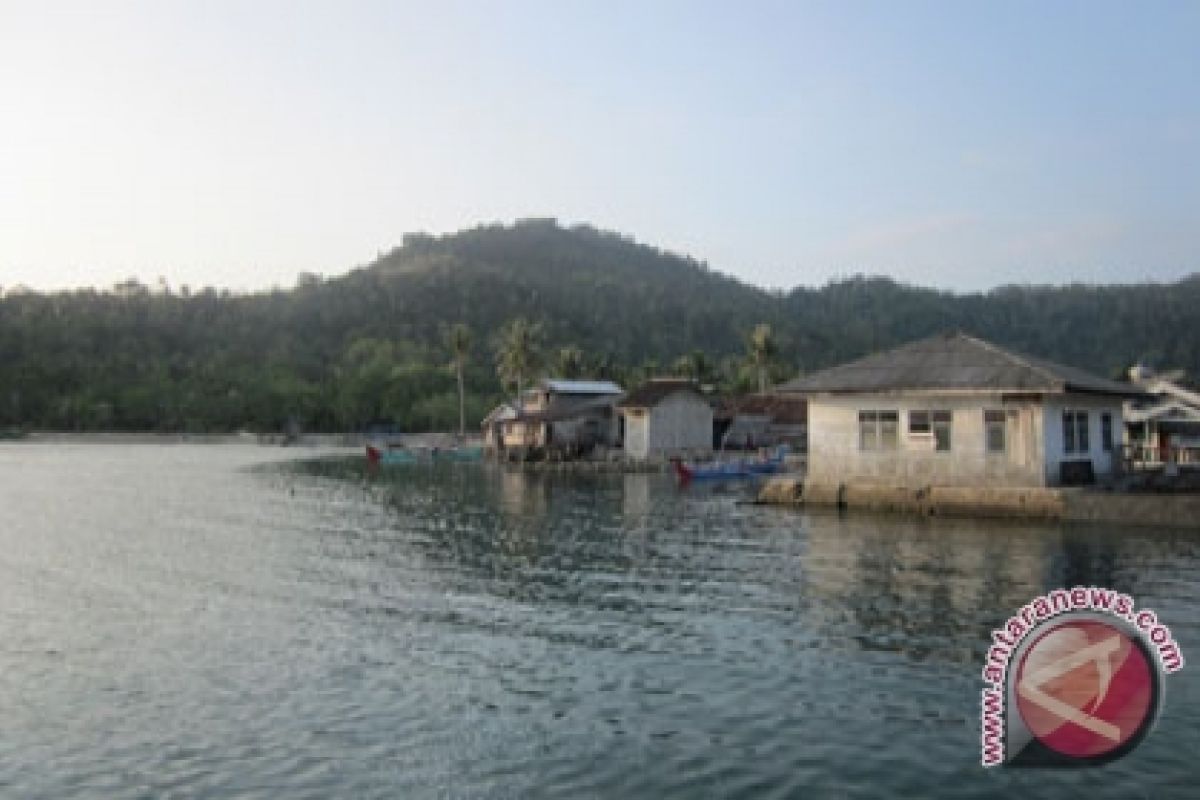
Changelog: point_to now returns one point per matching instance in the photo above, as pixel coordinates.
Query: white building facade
(956, 411)
(927, 439)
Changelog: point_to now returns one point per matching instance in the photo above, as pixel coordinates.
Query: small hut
(666, 417)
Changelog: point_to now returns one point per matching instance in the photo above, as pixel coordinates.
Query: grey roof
(954, 362)
(560, 386)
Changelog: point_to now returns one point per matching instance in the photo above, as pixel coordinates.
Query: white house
(1163, 426)
(954, 410)
(666, 417)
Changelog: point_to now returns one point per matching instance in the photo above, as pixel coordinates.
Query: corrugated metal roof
(561, 386)
(954, 362)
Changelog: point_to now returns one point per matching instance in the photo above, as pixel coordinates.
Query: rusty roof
(783, 409)
(654, 391)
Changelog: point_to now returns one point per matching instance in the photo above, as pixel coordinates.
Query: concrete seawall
(1163, 510)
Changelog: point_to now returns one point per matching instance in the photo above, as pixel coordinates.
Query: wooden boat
(394, 455)
(728, 470)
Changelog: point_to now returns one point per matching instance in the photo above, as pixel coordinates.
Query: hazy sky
(954, 144)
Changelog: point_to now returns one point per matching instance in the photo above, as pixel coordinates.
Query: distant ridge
(335, 353)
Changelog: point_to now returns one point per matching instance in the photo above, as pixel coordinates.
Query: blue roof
(582, 387)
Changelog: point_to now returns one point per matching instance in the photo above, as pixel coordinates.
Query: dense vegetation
(380, 344)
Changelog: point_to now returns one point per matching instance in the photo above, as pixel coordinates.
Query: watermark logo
(1074, 679)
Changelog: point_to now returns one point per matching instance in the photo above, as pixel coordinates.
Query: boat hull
(727, 470)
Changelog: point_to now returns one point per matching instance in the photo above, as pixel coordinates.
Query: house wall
(590, 428)
(835, 456)
(637, 433)
(523, 434)
(681, 423)
(1104, 463)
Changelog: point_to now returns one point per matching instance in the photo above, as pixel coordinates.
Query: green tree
(570, 362)
(761, 349)
(459, 342)
(694, 365)
(518, 352)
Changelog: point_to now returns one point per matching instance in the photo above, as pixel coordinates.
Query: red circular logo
(1085, 688)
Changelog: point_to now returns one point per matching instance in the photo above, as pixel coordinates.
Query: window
(868, 430)
(878, 430)
(1075, 432)
(889, 430)
(1106, 440)
(941, 430)
(925, 423)
(993, 429)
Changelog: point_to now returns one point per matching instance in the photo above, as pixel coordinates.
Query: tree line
(436, 332)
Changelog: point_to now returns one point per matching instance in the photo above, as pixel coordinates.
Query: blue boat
(729, 470)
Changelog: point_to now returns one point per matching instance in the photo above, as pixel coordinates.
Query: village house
(558, 418)
(493, 429)
(1163, 426)
(666, 417)
(954, 410)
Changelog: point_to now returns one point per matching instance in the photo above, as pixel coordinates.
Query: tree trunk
(462, 414)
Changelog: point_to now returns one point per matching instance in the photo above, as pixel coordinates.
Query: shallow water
(191, 621)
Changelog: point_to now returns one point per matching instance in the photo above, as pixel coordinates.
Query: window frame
(932, 424)
(878, 430)
(998, 421)
(942, 420)
(1076, 433)
(925, 425)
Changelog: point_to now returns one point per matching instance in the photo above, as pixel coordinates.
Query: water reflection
(686, 628)
(925, 588)
(178, 625)
(635, 497)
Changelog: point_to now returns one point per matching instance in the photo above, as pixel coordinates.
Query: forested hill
(371, 345)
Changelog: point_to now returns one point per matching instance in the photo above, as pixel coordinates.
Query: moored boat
(729, 470)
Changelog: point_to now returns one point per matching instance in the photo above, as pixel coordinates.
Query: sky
(956, 145)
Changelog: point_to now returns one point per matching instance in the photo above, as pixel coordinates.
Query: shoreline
(154, 437)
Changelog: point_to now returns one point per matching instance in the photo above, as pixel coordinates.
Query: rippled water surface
(192, 621)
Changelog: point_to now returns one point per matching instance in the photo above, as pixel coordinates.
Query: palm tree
(570, 362)
(761, 348)
(605, 366)
(518, 352)
(458, 340)
(693, 365)
(683, 367)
